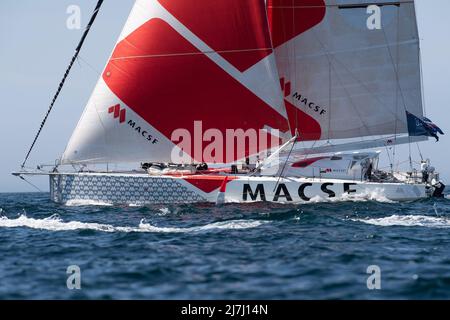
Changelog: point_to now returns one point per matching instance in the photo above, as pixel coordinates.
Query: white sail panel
(175, 64)
(341, 78)
(114, 133)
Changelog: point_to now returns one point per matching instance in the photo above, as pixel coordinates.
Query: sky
(36, 47)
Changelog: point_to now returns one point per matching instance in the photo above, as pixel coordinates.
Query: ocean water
(259, 251)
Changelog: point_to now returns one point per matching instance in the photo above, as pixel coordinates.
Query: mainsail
(196, 66)
(344, 76)
(316, 68)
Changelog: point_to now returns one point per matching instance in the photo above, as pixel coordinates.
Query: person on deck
(369, 171)
(258, 164)
(424, 169)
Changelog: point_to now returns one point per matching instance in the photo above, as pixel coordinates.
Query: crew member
(202, 166)
(369, 171)
(439, 188)
(424, 168)
(258, 164)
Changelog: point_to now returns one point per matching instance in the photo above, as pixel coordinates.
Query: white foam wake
(80, 203)
(409, 221)
(55, 223)
(83, 202)
(374, 195)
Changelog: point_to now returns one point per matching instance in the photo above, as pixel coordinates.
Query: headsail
(343, 76)
(178, 63)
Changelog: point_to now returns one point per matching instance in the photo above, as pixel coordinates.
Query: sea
(355, 249)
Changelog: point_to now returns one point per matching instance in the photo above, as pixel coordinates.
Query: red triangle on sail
(242, 39)
(169, 83)
(309, 129)
(290, 18)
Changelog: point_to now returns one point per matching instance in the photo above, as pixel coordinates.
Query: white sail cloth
(346, 77)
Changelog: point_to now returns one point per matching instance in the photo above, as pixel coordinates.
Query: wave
(408, 221)
(375, 195)
(80, 203)
(164, 211)
(55, 223)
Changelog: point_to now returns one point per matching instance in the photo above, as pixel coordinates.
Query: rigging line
(410, 155)
(66, 74)
(389, 155)
(330, 71)
(398, 85)
(272, 47)
(31, 184)
(89, 65)
(364, 85)
(163, 55)
(420, 151)
(287, 159)
(421, 72)
(330, 58)
(422, 82)
(295, 66)
(79, 64)
(394, 66)
(330, 55)
(352, 103)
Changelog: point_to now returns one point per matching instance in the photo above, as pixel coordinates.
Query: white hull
(141, 189)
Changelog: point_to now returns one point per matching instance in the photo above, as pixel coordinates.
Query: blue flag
(422, 126)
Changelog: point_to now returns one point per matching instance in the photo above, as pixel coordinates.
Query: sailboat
(251, 100)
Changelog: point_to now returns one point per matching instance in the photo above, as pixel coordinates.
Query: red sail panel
(171, 84)
(290, 18)
(217, 23)
(308, 128)
(179, 65)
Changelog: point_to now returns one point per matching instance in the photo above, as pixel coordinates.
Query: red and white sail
(309, 65)
(342, 76)
(178, 62)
